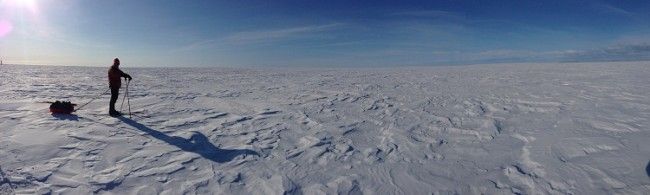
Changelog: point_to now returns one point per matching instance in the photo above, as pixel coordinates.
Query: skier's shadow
(647, 169)
(197, 143)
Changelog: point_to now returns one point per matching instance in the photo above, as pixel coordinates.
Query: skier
(115, 82)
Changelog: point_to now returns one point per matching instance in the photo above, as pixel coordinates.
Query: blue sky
(320, 33)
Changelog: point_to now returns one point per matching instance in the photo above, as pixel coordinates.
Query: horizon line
(341, 67)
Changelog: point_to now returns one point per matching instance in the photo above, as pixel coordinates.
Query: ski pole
(124, 97)
(128, 99)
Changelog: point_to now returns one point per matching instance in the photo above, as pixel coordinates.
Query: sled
(62, 107)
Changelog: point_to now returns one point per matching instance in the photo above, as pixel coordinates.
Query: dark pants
(115, 93)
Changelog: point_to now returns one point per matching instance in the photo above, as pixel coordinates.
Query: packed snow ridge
(575, 128)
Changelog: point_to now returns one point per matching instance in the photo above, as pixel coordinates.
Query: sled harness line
(100, 95)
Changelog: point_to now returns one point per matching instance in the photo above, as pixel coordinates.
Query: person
(114, 83)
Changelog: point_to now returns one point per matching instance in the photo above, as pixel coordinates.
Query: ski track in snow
(578, 128)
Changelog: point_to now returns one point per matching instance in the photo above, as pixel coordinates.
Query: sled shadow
(71, 117)
(198, 144)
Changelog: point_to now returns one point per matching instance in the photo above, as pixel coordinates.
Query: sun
(16, 13)
(30, 5)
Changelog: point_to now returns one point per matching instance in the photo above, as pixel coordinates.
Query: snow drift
(484, 129)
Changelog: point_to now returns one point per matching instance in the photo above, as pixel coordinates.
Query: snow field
(578, 128)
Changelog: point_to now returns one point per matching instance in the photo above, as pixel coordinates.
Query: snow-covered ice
(564, 128)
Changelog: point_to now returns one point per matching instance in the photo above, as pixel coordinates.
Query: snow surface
(578, 128)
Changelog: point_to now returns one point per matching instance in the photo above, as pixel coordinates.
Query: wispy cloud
(197, 45)
(606, 8)
(628, 52)
(427, 13)
(279, 34)
(433, 14)
(642, 36)
(497, 56)
(262, 36)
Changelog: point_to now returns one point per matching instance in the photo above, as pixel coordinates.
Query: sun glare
(13, 12)
(30, 5)
(5, 28)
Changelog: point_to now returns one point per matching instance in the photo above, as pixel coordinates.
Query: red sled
(62, 107)
(61, 111)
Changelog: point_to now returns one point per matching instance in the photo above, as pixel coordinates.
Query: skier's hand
(128, 77)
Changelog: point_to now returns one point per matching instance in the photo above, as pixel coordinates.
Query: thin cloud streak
(252, 37)
(496, 56)
(628, 52)
(437, 14)
(279, 34)
(197, 45)
(623, 52)
(606, 8)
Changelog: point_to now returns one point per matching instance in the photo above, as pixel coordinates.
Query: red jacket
(115, 77)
